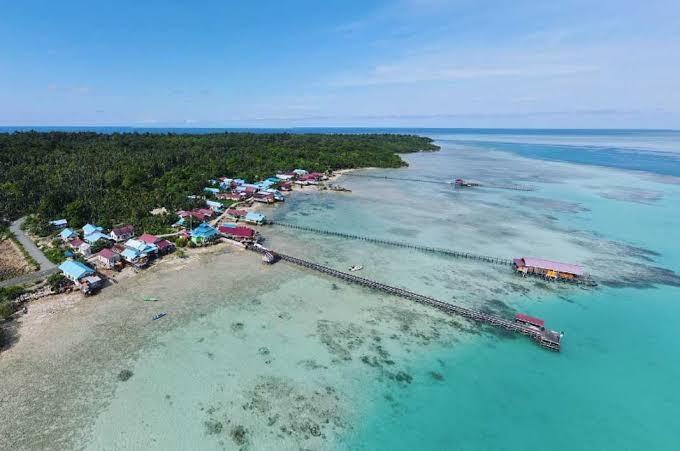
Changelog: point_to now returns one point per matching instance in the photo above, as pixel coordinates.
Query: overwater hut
(530, 321)
(548, 268)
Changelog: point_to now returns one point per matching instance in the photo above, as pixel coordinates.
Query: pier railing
(546, 338)
(435, 250)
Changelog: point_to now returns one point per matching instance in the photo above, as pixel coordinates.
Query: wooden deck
(546, 338)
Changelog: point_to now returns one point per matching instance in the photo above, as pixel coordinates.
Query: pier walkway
(435, 250)
(442, 182)
(547, 338)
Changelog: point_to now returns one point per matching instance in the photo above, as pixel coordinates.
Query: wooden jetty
(459, 183)
(435, 250)
(544, 337)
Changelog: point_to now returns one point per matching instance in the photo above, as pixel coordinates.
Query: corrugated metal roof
(75, 270)
(530, 319)
(552, 265)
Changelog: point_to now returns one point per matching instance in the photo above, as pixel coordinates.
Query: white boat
(356, 268)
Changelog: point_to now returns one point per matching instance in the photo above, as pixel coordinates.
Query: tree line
(112, 179)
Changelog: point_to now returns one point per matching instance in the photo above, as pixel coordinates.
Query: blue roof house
(204, 233)
(59, 223)
(211, 190)
(93, 237)
(254, 218)
(74, 270)
(89, 228)
(214, 206)
(67, 234)
(141, 246)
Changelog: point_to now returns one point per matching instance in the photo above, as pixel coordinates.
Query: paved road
(29, 245)
(32, 277)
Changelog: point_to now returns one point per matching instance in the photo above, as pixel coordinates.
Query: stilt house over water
(548, 269)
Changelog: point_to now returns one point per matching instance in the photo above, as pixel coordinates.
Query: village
(93, 254)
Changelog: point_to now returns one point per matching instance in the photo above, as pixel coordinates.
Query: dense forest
(118, 178)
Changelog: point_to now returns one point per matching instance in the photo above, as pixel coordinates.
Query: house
(68, 234)
(285, 176)
(238, 233)
(236, 214)
(266, 198)
(286, 186)
(74, 270)
(251, 188)
(226, 183)
(163, 246)
(134, 257)
(96, 236)
(217, 207)
(142, 247)
(547, 268)
(122, 233)
(211, 190)
(239, 182)
(107, 258)
(59, 223)
(278, 195)
(93, 233)
(80, 246)
(255, 218)
(204, 233)
(84, 277)
(299, 172)
(89, 228)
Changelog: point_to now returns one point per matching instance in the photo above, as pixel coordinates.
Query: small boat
(150, 299)
(356, 268)
(159, 316)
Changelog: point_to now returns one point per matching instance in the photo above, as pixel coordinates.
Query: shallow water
(259, 357)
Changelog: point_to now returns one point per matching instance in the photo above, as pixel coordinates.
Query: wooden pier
(442, 182)
(434, 250)
(544, 337)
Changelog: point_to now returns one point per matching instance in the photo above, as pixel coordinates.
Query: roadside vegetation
(111, 179)
(14, 259)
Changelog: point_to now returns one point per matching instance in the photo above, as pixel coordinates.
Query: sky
(399, 63)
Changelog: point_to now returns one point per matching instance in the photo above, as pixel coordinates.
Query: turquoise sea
(614, 384)
(259, 357)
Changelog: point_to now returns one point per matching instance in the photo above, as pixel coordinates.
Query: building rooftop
(552, 265)
(75, 270)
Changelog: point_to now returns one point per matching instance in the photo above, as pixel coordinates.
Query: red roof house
(107, 258)
(148, 238)
(237, 233)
